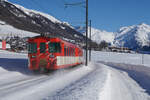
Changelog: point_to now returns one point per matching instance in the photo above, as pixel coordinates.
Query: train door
(43, 59)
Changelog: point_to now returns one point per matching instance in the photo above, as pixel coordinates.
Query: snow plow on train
(46, 54)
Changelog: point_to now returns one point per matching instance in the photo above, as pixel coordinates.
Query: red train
(46, 53)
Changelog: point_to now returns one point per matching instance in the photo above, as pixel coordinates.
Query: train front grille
(42, 63)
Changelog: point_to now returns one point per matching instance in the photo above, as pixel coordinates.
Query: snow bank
(86, 88)
(119, 86)
(8, 30)
(2, 22)
(141, 74)
(127, 58)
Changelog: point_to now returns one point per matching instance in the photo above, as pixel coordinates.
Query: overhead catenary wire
(86, 18)
(80, 4)
(68, 15)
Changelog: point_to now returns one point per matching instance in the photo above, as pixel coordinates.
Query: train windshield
(42, 47)
(54, 47)
(32, 48)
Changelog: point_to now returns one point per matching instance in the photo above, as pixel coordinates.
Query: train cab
(46, 53)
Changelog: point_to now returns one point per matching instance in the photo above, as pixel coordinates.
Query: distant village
(17, 44)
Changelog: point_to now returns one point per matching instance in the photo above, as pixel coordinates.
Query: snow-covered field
(126, 58)
(8, 30)
(94, 82)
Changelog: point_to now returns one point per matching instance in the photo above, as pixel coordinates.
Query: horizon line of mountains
(133, 37)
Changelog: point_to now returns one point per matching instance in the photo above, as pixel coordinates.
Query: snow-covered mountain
(27, 22)
(136, 36)
(10, 31)
(37, 22)
(102, 35)
(98, 35)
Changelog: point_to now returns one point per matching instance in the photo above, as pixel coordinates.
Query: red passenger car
(46, 53)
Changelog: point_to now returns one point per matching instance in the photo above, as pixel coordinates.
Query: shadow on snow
(18, 65)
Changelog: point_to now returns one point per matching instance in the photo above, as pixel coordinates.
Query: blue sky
(107, 15)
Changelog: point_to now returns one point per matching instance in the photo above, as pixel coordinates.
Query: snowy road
(119, 86)
(95, 82)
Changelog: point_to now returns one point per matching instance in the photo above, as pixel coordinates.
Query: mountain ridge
(133, 37)
(37, 22)
(97, 35)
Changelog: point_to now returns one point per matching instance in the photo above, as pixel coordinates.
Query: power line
(86, 18)
(79, 4)
(75, 4)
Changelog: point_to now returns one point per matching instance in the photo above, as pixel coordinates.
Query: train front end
(37, 54)
(42, 53)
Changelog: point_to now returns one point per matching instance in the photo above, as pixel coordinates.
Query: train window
(73, 52)
(54, 47)
(68, 52)
(65, 51)
(42, 47)
(32, 48)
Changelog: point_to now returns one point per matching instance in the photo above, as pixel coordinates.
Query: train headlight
(33, 56)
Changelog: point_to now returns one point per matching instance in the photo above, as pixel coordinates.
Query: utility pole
(86, 63)
(77, 4)
(90, 43)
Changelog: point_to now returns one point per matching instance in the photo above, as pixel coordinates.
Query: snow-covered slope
(8, 30)
(135, 36)
(37, 22)
(101, 35)
(33, 12)
(98, 35)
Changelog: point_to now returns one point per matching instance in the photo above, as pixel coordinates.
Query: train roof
(54, 39)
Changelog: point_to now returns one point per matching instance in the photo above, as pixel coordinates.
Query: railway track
(20, 84)
(22, 81)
